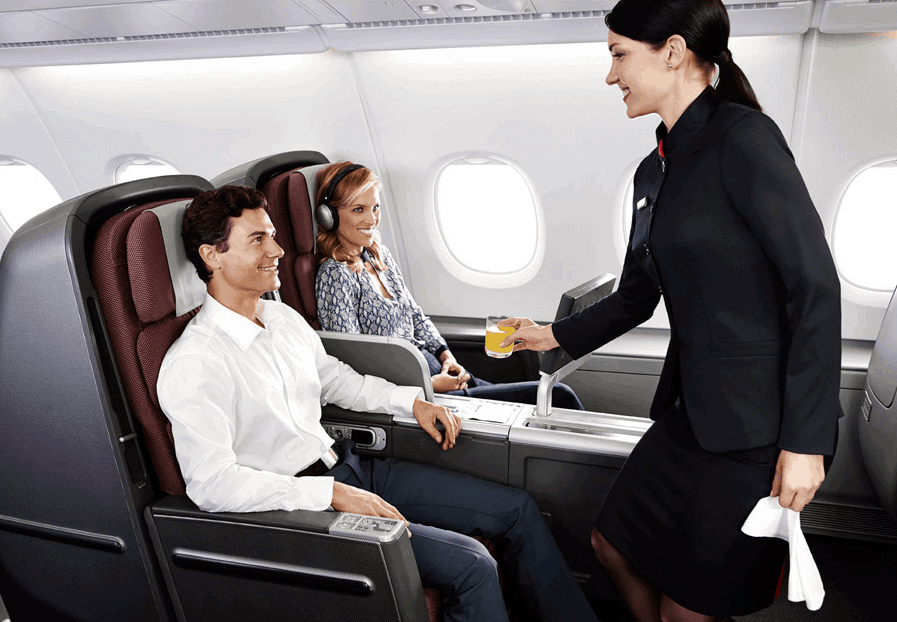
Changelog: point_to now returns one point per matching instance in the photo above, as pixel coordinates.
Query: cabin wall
(544, 107)
(25, 136)
(848, 124)
(548, 109)
(202, 116)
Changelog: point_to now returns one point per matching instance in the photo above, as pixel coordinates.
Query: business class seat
(288, 181)
(878, 413)
(89, 528)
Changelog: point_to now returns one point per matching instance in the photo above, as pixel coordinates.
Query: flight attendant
(725, 233)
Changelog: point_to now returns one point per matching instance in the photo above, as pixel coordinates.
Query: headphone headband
(338, 178)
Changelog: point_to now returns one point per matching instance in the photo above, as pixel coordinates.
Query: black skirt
(675, 512)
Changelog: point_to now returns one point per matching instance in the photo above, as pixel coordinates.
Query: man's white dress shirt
(245, 407)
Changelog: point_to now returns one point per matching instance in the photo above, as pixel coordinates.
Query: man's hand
(798, 477)
(529, 335)
(358, 501)
(427, 414)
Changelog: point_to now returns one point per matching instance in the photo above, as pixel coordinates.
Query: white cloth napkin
(771, 520)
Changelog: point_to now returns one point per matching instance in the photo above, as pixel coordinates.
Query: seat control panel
(367, 527)
(364, 437)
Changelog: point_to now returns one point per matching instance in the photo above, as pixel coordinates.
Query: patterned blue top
(352, 303)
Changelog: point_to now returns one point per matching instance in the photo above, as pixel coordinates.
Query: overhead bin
(841, 16)
(48, 35)
(769, 18)
(167, 46)
(556, 23)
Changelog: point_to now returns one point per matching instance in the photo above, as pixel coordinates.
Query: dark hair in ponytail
(704, 24)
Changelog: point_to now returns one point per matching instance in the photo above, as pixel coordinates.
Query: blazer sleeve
(337, 293)
(631, 304)
(763, 185)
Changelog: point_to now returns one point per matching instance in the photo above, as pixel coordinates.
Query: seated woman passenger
(360, 289)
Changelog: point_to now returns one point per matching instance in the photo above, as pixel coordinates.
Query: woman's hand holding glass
(528, 335)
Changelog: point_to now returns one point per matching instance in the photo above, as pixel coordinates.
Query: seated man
(243, 388)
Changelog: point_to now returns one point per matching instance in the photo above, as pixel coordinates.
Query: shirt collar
(240, 329)
(689, 123)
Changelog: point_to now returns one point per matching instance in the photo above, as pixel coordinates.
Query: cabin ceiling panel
(121, 20)
(33, 5)
(372, 10)
(323, 13)
(469, 8)
(23, 26)
(558, 6)
(235, 14)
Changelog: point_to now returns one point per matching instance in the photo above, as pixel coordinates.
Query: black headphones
(325, 214)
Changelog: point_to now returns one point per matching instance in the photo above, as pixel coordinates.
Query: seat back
(137, 266)
(76, 487)
(878, 415)
(289, 196)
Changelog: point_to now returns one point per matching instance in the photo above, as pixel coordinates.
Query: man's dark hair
(209, 219)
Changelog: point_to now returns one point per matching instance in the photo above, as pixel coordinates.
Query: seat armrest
(390, 358)
(305, 520)
(272, 565)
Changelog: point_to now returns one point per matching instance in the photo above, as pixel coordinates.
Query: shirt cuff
(317, 493)
(401, 400)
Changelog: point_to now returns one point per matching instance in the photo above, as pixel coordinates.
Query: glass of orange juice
(495, 335)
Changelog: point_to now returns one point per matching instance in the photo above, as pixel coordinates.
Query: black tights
(645, 603)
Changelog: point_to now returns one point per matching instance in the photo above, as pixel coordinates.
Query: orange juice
(494, 336)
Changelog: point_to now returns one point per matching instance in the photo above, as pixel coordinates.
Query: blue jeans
(444, 508)
(524, 392)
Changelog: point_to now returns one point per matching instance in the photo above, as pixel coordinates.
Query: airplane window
(26, 192)
(863, 244)
(482, 205)
(142, 168)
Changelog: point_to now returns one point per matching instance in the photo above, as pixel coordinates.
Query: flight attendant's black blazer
(725, 232)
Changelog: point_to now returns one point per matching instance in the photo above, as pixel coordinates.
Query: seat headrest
(311, 173)
(163, 280)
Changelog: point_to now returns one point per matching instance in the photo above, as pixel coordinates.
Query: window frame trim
(854, 291)
(445, 255)
(5, 220)
(117, 162)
